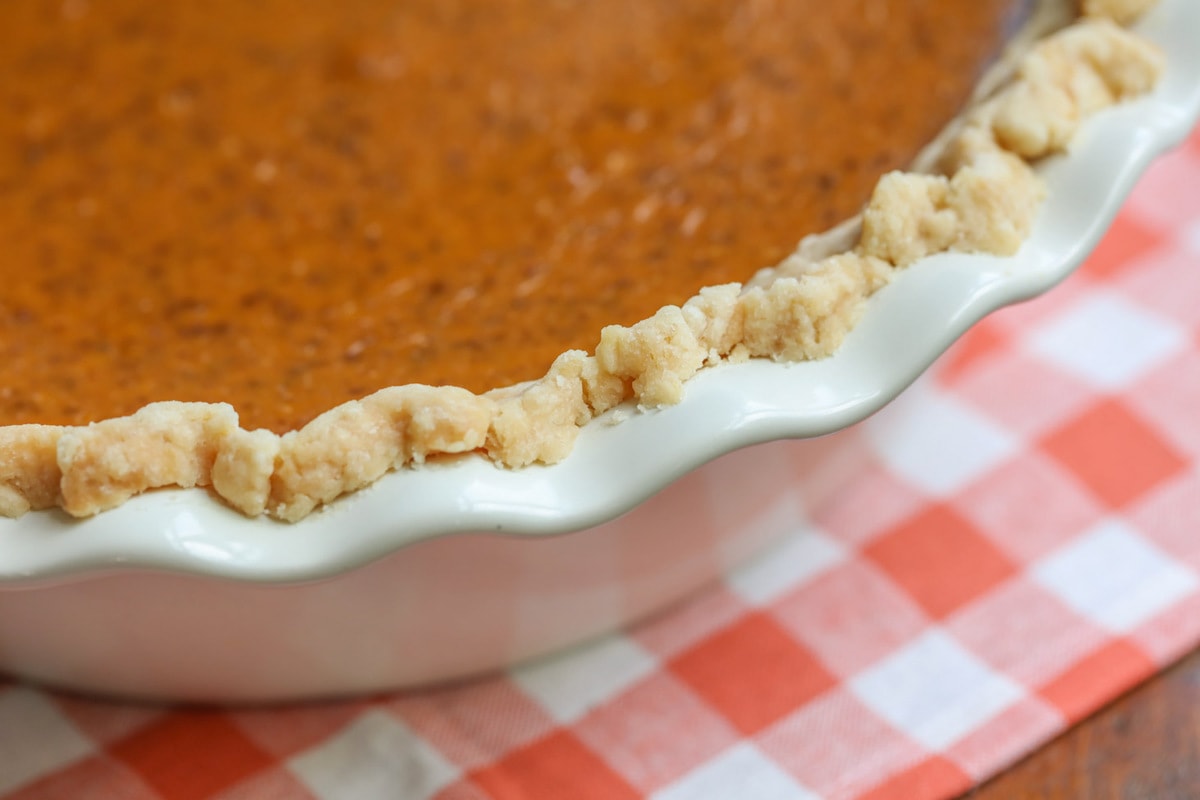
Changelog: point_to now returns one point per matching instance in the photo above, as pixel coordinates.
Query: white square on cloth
(377, 756)
(934, 690)
(1114, 577)
(936, 442)
(570, 684)
(796, 561)
(35, 739)
(1107, 341)
(740, 772)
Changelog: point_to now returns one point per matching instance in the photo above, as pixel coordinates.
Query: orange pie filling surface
(286, 206)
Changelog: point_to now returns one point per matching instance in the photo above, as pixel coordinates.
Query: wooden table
(1144, 745)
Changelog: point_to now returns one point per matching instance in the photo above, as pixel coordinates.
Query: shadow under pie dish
(612, 466)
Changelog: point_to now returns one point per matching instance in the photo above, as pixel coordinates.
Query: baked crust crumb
(29, 471)
(984, 200)
(1078, 72)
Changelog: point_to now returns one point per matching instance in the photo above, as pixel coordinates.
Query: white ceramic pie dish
(463, 567)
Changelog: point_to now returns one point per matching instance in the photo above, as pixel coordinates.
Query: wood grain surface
(1144, 745)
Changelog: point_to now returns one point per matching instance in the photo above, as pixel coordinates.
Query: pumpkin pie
(279, 251)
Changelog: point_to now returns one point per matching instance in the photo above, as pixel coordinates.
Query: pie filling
(279, 209)
(285, 209)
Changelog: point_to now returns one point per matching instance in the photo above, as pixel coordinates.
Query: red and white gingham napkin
(1024, 548)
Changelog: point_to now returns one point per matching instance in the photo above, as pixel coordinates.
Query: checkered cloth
(1024, 548)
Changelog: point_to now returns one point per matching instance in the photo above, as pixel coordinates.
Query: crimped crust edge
(982, 197)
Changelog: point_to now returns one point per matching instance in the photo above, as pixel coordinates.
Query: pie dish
(437, 573)
(981, 196)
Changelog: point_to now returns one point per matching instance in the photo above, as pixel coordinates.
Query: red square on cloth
(1104, 674)
(286, 730)
(191, 754)
(1190, 148)
(984, 341)
(1126, 241)
(1114, 453)
(935, 777)
(557, 766)
(941, 560)
(753, 672)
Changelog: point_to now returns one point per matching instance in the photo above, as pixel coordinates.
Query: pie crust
(976, 192)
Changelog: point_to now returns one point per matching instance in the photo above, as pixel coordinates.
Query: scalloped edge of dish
(614, 467)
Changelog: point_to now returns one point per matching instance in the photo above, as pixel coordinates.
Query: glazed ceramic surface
(462, 567)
